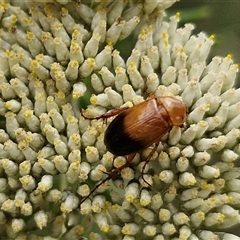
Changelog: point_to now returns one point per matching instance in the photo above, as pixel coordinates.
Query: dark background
(218, 17)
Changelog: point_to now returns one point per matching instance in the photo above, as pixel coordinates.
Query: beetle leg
(147, 161)
(105, 115)
(149, 94)
(110, 176)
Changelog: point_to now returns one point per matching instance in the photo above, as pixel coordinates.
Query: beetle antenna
(105, 115)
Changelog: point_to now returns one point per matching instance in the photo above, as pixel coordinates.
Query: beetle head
(176, 109)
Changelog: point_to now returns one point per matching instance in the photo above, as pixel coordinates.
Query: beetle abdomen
(137, 128)
(118, 141)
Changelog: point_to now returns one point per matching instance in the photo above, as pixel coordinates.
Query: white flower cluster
(51, 55)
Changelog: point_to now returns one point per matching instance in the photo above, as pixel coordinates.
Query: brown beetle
(140, 126)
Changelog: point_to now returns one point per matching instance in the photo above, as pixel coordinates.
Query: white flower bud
(213, 219)
(61, 49)
(100, 99)
(215, 144)
(156, 202)
(19, 87)
(153, 54)
(107, 76)
(89, 136)
(164, 215)
(152, 82)
(9, 206)
(193, 203)
(92, 45)
(74, 156)
(188, 151)
(34, 45)
(40, 104)
(86, 207)
(70, 203)
(72, 125)
(128, 93)
(27, 151)
(168, 229)
(3, 136)
(145, 66)
(17, 225)
(121, 78)
(150, 230)
(228, 155)
(107, 160)
(9, 167)
(74, 142)
(3, 152)
(182, 164)
(187, 179)
(127, 173)
(166, 176)
(146, 214)
(114, 31)
(79, 90)
(232, 173)
(83, 190)
(73, 172)
(164, 160)
(209, 172)
(13, 105)
(174, 152)
(11, 124)
(28, 182)
(146, 180)
(117, 60)
(84, 170)
(32, 121)
(57, 119)
(97, 83)
(13, 151)
(62, 83)
(26, 209)
(41, 219)
(40, 70)
(180, 218)
(87, 67)
(61, 164)
(3, 185)
(174, 136)
(134, 58)
(51, 133)
(169, 76)
(201, 158)
(130, 229)
(98, 203)
(97, 236)
(24, 168)
(132, 192)
(46, 183)
(102, 222)
(47, 165)
(54, 195)
(98, 172)
(7, 91)
(61, 147)
(13, 183)
(135, 77)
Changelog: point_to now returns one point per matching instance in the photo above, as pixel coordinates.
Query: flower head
(56, 53)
